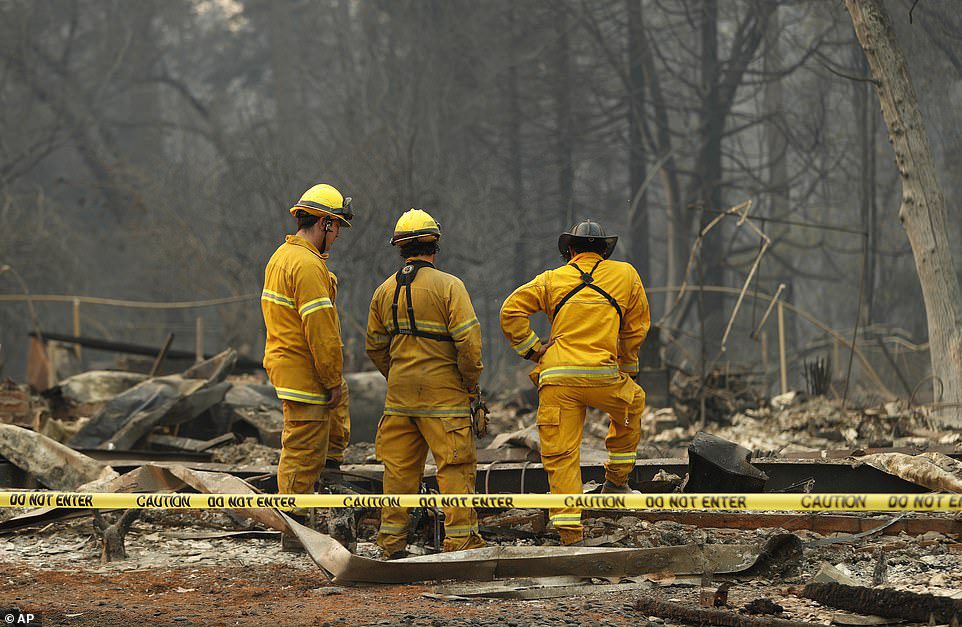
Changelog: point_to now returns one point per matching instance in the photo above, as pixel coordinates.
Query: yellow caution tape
(690, 502)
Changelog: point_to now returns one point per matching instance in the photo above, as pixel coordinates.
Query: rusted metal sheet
(503, 562)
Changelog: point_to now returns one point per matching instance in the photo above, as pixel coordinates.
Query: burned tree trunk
(866, 124)
(922, 211)
(113, 534)
(565, 124)
(638, 223)
(709, 174)
(515, 155)
(676, 231)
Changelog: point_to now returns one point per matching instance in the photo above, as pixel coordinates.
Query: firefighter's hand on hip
(538, 354)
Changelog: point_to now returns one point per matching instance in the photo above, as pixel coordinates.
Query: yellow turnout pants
(340, 427)
(303, 447)
(561, 418)
(402, 445)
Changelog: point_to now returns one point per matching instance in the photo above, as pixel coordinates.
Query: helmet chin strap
(326, 227)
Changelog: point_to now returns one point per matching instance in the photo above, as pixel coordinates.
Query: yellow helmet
(416, 225)
(325, 201)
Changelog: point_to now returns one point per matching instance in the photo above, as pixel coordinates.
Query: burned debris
(687, 615)
(910, 606)
(112, 534)
(206, 430)
(716, 465)
(760, 293)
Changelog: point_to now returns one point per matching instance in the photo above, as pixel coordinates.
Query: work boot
(571, 537)
(611, 488)
(330, 476)
(464, 543)
(396, 555)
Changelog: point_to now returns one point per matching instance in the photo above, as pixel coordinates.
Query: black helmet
(587, 231)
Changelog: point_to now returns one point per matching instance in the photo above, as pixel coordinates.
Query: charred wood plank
(699, 616)
(910, 606)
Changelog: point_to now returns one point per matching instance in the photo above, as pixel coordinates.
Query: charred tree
(922, 211)
(637, 165)
(775, 140)
(565, 143)
(515, 158)
(676, 231)
(719, 82)
(112, 535)
(283, 64)
(708, 177)
(865, 133)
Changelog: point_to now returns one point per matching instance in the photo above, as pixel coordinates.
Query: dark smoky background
(150, 150)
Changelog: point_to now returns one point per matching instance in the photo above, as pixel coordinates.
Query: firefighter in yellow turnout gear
(302, 355)
(599, 318)
(424, 337)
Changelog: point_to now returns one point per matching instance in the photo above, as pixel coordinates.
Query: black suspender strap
(588, 280)
(397, 292)
(404, 278)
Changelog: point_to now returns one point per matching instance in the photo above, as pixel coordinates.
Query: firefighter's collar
(420, 262)
(586, 257)
(300, 241)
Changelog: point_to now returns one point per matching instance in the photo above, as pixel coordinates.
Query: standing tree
(922, 211)
(638, 223)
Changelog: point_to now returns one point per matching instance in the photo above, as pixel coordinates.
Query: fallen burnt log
(676, 612)
(912, 606)
(56, 466)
